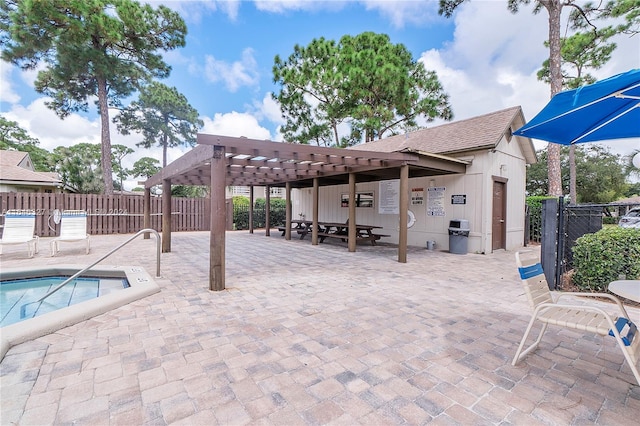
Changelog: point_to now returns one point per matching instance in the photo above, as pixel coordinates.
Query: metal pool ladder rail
(77, 274)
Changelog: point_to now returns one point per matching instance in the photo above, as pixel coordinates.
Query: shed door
(499, 216)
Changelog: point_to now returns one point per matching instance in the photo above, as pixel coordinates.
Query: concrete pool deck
(311, 335)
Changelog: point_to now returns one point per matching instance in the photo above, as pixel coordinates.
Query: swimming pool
(18, 297)
(115, 285)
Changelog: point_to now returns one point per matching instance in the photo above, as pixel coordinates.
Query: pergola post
(314, 213)
(147, 212)
(267, 211)
(352, 212)
(166, 215)
(287, 211)
(218, 219)
(251, 200)
(404, 213)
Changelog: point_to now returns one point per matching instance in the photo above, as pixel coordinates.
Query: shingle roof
(484, 131)
(11, 158)
(11, 171)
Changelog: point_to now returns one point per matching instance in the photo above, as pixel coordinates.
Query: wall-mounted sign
(459, 199)
(389, 201)
(417, 196)
(363, 199)
(435, 201)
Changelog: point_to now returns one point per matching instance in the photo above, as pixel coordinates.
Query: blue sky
(485, 57)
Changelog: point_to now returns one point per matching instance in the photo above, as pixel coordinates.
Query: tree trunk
(554, 7)
(164, 155)
(164, 144)
(105, 157)
(573, 190)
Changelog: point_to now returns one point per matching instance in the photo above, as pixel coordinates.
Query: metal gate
(562, 225)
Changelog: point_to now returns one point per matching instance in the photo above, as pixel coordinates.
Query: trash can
(458, 236)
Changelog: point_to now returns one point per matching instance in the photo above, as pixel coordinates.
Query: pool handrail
(77, 274)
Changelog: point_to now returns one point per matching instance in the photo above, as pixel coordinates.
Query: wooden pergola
(221, 161)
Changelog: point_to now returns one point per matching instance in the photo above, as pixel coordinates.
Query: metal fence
(562, 225)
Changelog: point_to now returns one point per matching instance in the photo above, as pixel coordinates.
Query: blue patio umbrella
(607, 109)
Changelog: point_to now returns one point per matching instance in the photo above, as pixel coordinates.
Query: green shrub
(605, 256)
(535, 202)
(240, 200)
(609, 220)
(241, 212)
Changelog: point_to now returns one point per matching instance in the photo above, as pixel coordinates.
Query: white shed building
(490, 195)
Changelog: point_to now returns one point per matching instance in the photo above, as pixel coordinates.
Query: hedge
(610, 254)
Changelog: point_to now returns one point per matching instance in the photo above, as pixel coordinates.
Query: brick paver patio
(311, 335)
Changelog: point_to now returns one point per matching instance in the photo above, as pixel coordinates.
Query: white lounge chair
(73, 227)
(19, 228)
(591, 318)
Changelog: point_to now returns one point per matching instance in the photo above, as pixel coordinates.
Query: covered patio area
(221, 161)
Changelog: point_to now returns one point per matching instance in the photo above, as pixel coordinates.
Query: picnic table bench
(341, 231)
(334, 230)
(302, 227)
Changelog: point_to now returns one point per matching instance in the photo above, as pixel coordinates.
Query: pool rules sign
(435, 201)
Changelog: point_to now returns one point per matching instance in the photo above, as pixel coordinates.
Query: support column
(166, 216)
(267, 212)
(287, 211)
(352, 212)
(251, 200)
(404, 213)
(314, 213)
(147, 212)
(218, 220)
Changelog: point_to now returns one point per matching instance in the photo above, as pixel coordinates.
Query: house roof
(14, 169)
(481, 132)
(12, 158)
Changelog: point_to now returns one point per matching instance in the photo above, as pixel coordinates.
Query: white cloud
(43, 124)
(282, 6)
(193, 11)
(401, 13)
(7, 94)
(235, 124)
(268, 109)
(234, 75)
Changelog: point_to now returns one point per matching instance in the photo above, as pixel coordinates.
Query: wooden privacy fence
(115, 214)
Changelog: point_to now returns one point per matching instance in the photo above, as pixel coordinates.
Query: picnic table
(302, 227)
(341, 231)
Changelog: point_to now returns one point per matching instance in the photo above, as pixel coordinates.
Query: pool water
(17, 296)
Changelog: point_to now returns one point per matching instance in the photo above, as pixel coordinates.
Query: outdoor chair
(19, 227)
(73, 227)
(592, 318)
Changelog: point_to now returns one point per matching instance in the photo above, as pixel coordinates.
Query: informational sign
(389, 197)
(435, 201)
(417, 196)
(459, 199)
